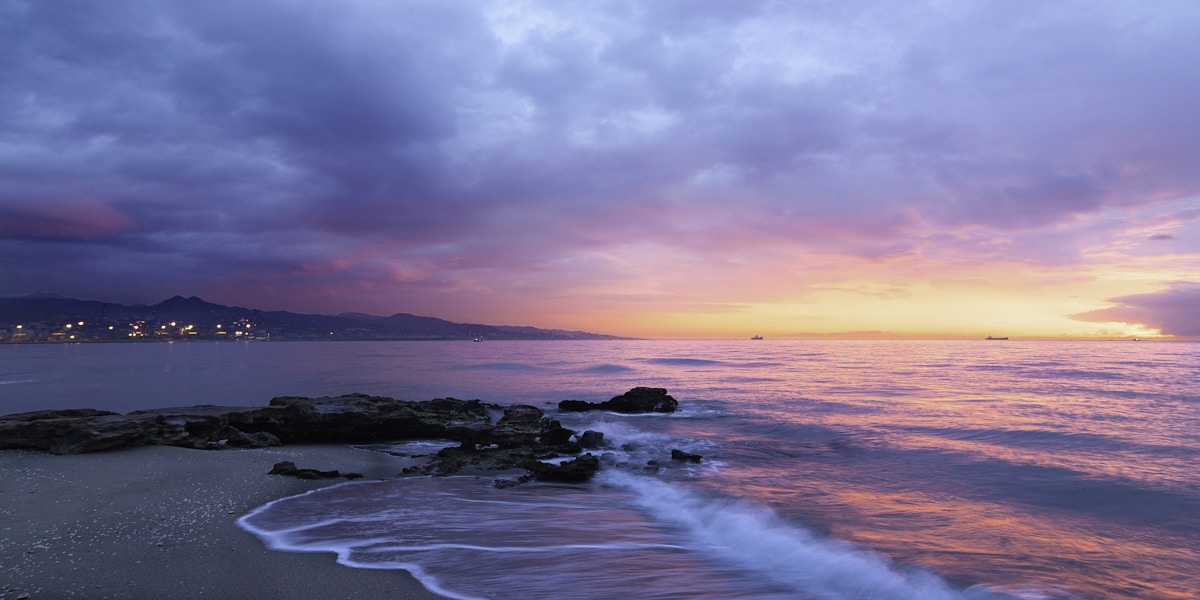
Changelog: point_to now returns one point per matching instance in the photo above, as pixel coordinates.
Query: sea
(830, 470)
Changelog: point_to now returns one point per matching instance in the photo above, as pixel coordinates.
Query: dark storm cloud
(372, 144)
(1173, 311)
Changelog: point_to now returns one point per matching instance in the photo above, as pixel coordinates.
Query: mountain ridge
(51, 317)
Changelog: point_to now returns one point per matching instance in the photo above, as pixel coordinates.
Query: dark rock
(289, 468)
(591, 439)
(642, 400)
(575, 471)
(58, 434)
(353, 418)
(522, 416)
(520, 426)
(455, 459)
(522, 438)
(554, 434)
(680, 455)
(261, 439)
(636, 401)
(362, 418)
(69, 413)
(576, 406)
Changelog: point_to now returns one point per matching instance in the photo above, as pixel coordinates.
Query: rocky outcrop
(636, 401)
(287, 420)
(522, 438)
(362, 418)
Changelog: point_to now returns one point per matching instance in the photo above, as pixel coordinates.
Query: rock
(520, 426)
(362, 418)
(354, 418)
(575, 471)
(287, 467)
(680, 455)
(591, 439)
(636, 401)
(522, 438)
(554, 434)
(69, 413)
(643, 400)
(261, 439)
(577, 406)
(66, 434)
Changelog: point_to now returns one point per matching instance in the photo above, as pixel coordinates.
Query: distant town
(82, 331)
(45, 318)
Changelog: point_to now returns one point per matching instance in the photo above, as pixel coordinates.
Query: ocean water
(832, 469)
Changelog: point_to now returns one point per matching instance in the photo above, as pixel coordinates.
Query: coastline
(160, 522)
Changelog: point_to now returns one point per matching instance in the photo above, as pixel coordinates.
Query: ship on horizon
(995, 338)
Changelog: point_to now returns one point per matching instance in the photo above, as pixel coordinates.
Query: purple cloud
(1173, 311)
(416, 148)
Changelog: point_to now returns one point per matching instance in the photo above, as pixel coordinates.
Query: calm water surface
(831, 469)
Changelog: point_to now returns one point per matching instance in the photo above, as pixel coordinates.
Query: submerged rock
(574, 471)
(680, 455)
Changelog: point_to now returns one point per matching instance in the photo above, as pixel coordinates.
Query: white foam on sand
(626, 534)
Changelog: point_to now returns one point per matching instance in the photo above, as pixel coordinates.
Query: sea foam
(464, 539)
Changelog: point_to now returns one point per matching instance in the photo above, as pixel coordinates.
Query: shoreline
(160, 522)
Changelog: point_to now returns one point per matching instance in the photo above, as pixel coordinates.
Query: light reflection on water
(1015, 463)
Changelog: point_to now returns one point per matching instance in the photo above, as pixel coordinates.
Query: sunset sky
(656, 168)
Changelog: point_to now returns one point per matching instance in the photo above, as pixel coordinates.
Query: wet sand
(159, 522)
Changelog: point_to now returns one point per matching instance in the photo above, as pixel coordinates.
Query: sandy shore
(158, 522)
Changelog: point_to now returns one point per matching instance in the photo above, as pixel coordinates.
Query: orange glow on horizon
(862, 310)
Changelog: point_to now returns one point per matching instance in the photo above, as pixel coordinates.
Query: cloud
(1173, 311)
(419, 149)
(65, 219)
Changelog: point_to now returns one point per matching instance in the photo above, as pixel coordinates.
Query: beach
(159, 522)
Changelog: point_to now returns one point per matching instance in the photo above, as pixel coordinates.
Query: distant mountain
(46, 317)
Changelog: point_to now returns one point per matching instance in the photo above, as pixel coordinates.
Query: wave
(684, 361)
(503, 366)
(606, 369)
(1047, 439)
(791, 557)
(1048, 488)
(624, 536)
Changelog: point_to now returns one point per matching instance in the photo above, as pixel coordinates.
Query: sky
(651, 168)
